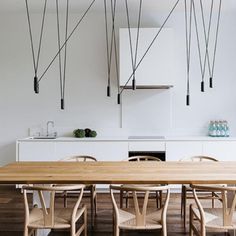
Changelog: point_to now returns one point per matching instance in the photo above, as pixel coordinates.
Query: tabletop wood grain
(119, 172)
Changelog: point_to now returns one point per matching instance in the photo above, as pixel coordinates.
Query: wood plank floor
(12, 216)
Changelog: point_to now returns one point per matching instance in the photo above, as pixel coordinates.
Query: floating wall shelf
(148, 87)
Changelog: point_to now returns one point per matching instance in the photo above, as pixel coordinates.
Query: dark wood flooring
(12, 216)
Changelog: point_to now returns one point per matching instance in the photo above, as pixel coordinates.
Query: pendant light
(188, 34)
(36, 60)
(62, 74)
(133, 57)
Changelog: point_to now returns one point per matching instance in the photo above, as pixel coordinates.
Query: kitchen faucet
(48, 123)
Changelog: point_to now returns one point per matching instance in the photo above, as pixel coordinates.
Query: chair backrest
(79, 158)
(228, 208)
(140, 211)
(142, 158)
(199, 158)
(48, 211)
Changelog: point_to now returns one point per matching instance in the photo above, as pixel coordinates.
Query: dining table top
(121, 172)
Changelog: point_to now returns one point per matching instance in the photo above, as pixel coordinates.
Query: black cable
(63, 45)
(130, 38)
(65, 55)
(113, 13)
(41, 34)
(31, 37)
(137, 41)
(216, 41)
(107, 47)
(188, 47)
(59, 46)
(206, 37)
(140, 61)
(198, 45)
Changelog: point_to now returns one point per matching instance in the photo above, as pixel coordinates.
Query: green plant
(79, 133)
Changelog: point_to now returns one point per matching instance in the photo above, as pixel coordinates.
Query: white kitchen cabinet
(35, 151)
(157, 67)
(176, 150)
(221, 150)
(102, 151)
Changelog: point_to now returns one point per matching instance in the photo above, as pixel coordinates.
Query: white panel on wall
(146, 111)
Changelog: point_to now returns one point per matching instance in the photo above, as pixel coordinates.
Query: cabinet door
(155, 67)
(221, 150)
(176, 150)
(103, 151)
(36, 151)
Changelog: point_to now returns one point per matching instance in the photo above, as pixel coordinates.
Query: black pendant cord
(188, 34)
(36, 61)
(107, 47)
(65, 56)
(198, 45)
(150, 45)
(130, 39)
(206, 37)
(216, 41)
(137, 42)
(31, 37)
(63, 45)
(59, 46)
(41, 34)
(113, 13)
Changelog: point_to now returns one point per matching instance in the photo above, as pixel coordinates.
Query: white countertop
(125, 138)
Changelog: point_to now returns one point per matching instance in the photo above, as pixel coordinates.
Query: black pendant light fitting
(198, 46)
(188, 34)
(133, 57)
(206, 38)
(36, 62)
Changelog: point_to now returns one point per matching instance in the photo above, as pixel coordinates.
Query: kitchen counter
(126, 138)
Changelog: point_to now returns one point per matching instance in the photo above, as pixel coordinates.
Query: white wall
(144, 112)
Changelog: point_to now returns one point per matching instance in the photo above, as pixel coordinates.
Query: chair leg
(157, 199)
(184, 204)
(182, 201)
(92, 205)
(26, 231)
(95, 202)
(65, 199)
(164, 229)
(116, 231)
(85, 222)
(127, 200)
(213, 200)
(160, 193)
(121, 198)
(190, 221)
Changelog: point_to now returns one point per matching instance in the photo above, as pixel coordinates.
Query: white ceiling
(81, 5)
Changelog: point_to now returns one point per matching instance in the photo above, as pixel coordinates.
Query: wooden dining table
(119, 172)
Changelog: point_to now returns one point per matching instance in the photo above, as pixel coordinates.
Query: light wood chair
(140, 217)
(90, 188)
(125, 195)
(217, 219)
(186, 192)
(43, 217)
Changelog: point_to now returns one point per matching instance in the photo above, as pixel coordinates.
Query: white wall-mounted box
(157, 67)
